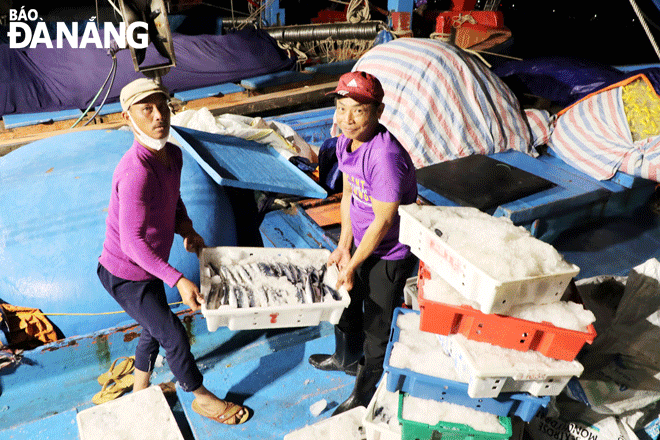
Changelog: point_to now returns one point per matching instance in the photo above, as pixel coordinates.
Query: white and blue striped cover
(593, 135)
(442, 104)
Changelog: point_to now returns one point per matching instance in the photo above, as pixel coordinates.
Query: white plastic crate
(532, 372)
(292, 315)
(344, 426)
(410, 293)
(493, 296)
(380, 431)
(141, 415)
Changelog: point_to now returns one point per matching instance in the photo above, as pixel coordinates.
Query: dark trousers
(146, 303)
(377, 291)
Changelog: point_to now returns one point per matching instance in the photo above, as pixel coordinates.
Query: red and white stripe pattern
(594, 136)
(441, 103)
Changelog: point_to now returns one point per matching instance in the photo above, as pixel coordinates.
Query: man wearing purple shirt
(373, 265)
(144, 213)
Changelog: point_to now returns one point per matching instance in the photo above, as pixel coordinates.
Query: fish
(268, 269)
(309, 294)
(215, 292)
(238, 295)
(332, 293)
(249, 297)
(315, 283)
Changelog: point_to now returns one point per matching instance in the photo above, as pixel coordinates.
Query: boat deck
(267, 370)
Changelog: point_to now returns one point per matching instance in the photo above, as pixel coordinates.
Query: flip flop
(117, 370)
(229, 413)
(114, 388)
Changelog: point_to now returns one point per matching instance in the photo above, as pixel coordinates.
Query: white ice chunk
(420, 351)
(494, 244)
(317, 407)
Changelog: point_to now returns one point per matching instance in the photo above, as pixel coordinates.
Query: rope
(98, 314)
(460, 19)
(645, 26)
(355, 15)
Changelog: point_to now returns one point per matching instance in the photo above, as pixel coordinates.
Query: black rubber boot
(348, 351)
(364, 389)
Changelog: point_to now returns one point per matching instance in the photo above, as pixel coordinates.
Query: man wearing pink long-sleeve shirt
(144, 213)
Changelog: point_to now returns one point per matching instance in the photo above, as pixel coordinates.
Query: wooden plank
(271, 101)
(325, 215)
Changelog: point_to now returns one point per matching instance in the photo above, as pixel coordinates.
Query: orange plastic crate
(503, 331)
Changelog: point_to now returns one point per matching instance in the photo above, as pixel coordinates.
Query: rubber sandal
(117, 370)
(229, 413)
(114, 388)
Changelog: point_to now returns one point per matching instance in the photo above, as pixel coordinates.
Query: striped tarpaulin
(593, 135)
(442, 104)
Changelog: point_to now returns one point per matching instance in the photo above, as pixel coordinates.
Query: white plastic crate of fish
(252, 288)
(490, 370)
(486, 259)
(380, 419)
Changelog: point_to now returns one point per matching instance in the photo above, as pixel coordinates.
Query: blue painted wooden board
(320, 115)
(335, 68)
(24, 119)
(433, 197)
(293, 228)
(618, 183)
(311, 125)
(237, 162)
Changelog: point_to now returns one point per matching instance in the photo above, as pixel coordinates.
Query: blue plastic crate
(523, 405)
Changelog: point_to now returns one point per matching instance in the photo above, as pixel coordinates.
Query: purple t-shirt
(380, 169)
(145, 209)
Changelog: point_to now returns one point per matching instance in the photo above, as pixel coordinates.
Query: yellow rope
(98, 314)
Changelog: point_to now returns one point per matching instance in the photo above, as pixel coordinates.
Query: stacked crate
(548, 361)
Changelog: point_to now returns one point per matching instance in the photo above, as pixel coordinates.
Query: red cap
(361, 86)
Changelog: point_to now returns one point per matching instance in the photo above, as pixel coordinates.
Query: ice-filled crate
(381, 420)
(461, 257)
(444, 389)
(501, 330)
(256, 288)
(445, 430)
(492, 370)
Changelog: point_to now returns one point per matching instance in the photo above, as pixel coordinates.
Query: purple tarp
(43, 79)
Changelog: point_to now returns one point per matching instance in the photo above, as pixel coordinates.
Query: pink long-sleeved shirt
(144, 212)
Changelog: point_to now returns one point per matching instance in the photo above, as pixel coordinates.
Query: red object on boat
(401, 21)
(329, 16)
(482, 20)
(503, 331)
